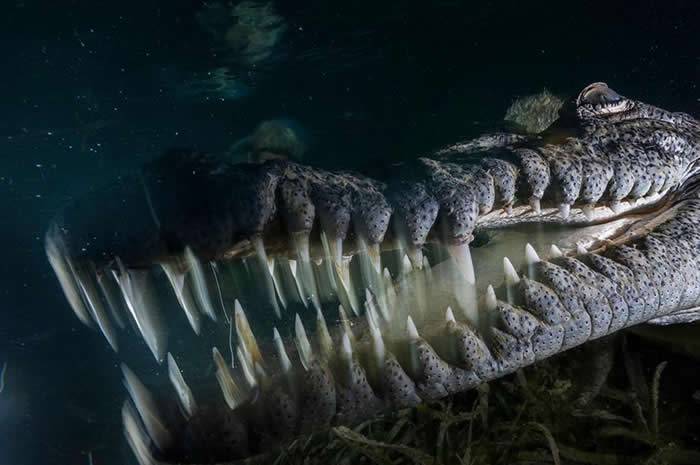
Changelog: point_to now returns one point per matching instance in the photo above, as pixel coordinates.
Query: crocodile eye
(598, 94)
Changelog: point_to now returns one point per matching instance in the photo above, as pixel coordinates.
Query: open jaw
(375, 294)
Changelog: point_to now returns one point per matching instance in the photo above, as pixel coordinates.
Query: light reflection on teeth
(302, 342)
(145, 405)
(555, 251)
(183, 295)
(183, 391)
(285, 363)
(201, 290)
(139, 296)
(233, 394)
(324, 337)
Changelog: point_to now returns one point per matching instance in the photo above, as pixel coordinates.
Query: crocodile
(408, 255)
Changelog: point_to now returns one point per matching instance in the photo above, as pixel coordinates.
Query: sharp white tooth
(346, 348)
(588, 211)
(406, 266)
(411, 330)
(285, 363)
(463, 258)
(511, 276)
(261, 256)
(245, 334)
(377, 341)
(375, 257)
(300, 290)
(201, 291)
(233, 395)
(531, 256)
(509, 209)
(347, 328)
(450, 316)
(147, 409)
(564, 210)
(279, 290)
(371, 304)
(581, 250)
(324, 336)
(63, 267)
(136, 437)
(139, 297)
(616, 207)
(426, 263)
(184, 393)
(307, 279)
(183, 295)
(387, 276)
(301, 246)
(336, 247)
(247, 368)
(346, 290)
(110, 292)
(535, 204)
(415, 255)
(94, 305)
(555, 251)
(491, 301)
(302, 343)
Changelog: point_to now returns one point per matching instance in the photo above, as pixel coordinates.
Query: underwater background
(92, 89)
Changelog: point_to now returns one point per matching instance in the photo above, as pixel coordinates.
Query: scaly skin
(625, 157)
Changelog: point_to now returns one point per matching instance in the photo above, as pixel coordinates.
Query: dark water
(91, 89)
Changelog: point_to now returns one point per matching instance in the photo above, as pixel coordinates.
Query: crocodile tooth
(139, 297)
(261, 256)
(374, 254)
(324, 336)
(346, 348)
(491, 301)
(183, 391)
(233, 394)
(411, 330)
(450, 316)
(183, 296)
(535, 204)
(302, 342)
(147, 409)
(271, 262)
(406, 266)
(137, 438)
(564, 210)
(581, 250)
(345, 288)
(86, 284)
(347, 328)
(377, 341)
(555, 251)
(248, 368)
(511, 276)
(463, 258)
(588, 211)
(63, 268)
(201, 291)
(285, 363)
(110, 291)
(245, 335)
(300, 289)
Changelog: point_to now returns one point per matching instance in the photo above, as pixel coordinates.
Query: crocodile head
(432, 298)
